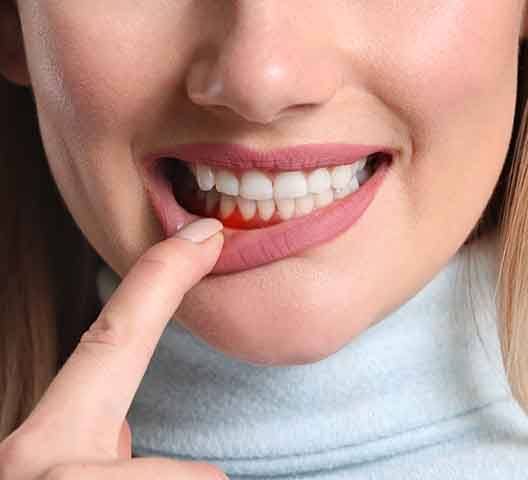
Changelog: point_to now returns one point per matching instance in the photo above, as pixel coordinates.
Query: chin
(286, 334)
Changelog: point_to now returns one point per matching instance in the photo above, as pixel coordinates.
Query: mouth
(269, 210)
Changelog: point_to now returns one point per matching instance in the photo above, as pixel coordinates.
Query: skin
(78, 429)
(436, 80)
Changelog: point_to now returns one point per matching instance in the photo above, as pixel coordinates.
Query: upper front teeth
(254, 185)
(225, 181)
(290, 185)
(258, 185)
(205, 177)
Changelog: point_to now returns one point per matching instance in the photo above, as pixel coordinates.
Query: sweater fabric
(421, 394)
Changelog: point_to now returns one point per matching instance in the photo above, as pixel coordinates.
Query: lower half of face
(436, 84)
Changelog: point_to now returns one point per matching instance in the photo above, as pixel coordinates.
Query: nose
(265, 67)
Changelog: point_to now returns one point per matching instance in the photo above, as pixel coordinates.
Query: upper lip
(298, 157)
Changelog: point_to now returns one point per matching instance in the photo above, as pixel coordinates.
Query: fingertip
(200, 230)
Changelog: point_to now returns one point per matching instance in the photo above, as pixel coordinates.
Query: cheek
(93, 70)
(452, 60)
(455, 88)
(93, 95)
(90, 88)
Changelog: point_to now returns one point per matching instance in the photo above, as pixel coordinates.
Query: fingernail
(200, 230)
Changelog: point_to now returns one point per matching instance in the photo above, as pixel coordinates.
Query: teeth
(324, 198)
(211, 200)
(356, 166)
(291, 193)
(289, 185)
(266, 209)
(353, 185)
(227, 205)
(247, 208)
(258, 185)
(227, 183)
(286, 208)
(341, 176)
(343, 192)
(319, 180)
(340, 193)
(362, 176)
(205, 177)
(304, 205)
(255, 185)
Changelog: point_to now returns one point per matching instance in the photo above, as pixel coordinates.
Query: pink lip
(299, 157)
(245, 249)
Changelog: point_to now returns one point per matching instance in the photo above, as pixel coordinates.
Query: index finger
(93, 391)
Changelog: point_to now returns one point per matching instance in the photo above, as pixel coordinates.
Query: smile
(270, 209)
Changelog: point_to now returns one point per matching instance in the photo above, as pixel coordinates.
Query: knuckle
(104, 332)
(152, 261)
(104, 339)
(157, 259)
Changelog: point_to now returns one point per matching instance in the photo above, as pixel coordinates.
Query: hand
(78, 430)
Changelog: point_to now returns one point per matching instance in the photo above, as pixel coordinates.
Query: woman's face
(115, 82)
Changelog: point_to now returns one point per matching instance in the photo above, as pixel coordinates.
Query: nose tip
(262, 86)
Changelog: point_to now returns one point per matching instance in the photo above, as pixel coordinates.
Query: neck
(423, 375)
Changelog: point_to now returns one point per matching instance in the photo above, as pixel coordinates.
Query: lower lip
(246, 249)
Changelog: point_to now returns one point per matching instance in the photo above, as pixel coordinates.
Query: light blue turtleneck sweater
(420, 395)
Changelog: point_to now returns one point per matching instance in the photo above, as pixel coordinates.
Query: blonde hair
(48, 294)
(513, 266)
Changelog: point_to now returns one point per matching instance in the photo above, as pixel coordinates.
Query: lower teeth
(242, 213)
